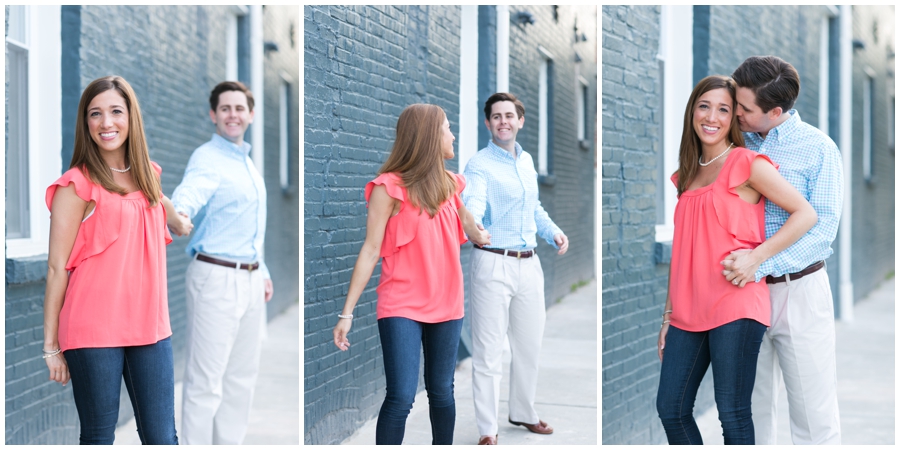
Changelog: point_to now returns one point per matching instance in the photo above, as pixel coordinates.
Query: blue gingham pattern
(502, 195)
(811, 162)
(221, 181)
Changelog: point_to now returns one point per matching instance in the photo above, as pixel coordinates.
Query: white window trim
(581, 90)
(284, 130)
(469, 111)
(231, 42)
(44, 124)
(543, 110)
(676, 45)
(868, 87)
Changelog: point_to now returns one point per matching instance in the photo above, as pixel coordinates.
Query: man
(227, 283)
(507, 281)
(800, 343)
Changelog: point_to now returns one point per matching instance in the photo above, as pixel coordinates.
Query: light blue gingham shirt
(811, 162)
(222, 184)
(502, 195)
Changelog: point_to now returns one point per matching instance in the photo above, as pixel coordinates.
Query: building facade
(172, 56)
(362, 66)
(652, 58)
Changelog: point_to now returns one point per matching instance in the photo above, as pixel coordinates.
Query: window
(545, 111)
(581, 109)
(284, 132)
(868, 101)
(35, 138)
(231, 42)
(676, 78)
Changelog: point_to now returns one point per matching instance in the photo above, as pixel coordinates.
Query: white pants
(507, 299)
(801, 345)
(225, 310)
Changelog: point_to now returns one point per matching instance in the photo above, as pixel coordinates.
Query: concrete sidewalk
(275, 415)
(865, 374)
(566, 392)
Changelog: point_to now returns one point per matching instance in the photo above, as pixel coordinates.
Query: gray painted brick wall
(172, 80)
(633, 285)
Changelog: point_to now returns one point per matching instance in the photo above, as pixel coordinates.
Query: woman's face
(107, 119)
(447, 140)
(712, 116)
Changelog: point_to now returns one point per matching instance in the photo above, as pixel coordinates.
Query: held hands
(481, 238)
(180, 224)
(340, 334)
(59, 370)
(562, 242)
(740, 267)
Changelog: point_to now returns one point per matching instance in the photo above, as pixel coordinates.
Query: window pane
(17, 24)
(284, 134)
(17, 210)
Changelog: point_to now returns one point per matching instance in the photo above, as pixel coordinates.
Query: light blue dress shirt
(502, 194)
(811, 162)
(222, 184)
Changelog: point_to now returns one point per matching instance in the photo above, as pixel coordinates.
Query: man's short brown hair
(503, 97)
(226, 86)
(773, 80)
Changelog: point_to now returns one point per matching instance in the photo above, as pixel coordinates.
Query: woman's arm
(479, 236)
(180, 224)
(66, 213)
(667, 314)
(381, 205)
(766, 180)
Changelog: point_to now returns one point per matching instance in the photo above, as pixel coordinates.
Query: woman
(106, 310)
(707, 319)
(415, 225)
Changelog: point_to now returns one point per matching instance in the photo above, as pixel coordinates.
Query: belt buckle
(519, 255)
(250, 268)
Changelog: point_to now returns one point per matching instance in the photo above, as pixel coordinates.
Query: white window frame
(676, 50)
(284, 130)
(868, 89)
(43, 30)
(581, 92)
(231, 42)
(544, 110)
(469, 111)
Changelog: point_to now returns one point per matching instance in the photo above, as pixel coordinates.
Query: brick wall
(362, 66)
(873, 201)
(172, 80)
(633, 285)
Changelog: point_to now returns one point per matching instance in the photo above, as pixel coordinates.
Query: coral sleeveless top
(421, 276)
(711, 222)
(117, 293)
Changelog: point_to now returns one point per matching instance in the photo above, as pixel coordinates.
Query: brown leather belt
(233, 265)
(514, 253)
(797, 275)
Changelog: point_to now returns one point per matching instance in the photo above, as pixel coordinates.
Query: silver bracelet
(51, 354)
(348, 316)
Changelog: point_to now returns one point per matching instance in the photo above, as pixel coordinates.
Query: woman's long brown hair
(690, 150)
(417, 157)
(86, 155)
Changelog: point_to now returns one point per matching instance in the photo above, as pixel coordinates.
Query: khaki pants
(507, 300)
(800, 344)
(225, 310)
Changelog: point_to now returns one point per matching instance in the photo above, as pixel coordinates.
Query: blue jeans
(732, 349)
(149, 377)
(400, 339)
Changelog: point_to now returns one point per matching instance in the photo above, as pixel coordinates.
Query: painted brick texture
(633, 286)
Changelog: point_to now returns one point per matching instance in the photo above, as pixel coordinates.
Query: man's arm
(548, 230)
(475, 194)
(198, 185)
(826, 194)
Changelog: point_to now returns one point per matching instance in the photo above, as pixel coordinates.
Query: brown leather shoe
(540, 428)
(488, 440)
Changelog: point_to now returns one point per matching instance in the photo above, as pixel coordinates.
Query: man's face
(504, 122)
(751, 117)
(232, 116)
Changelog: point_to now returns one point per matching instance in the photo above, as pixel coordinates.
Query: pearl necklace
(700, 161)
(129, 168)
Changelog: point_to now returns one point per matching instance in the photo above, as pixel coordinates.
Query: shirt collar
(225, 144)
(496, 148)
(785, 128)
